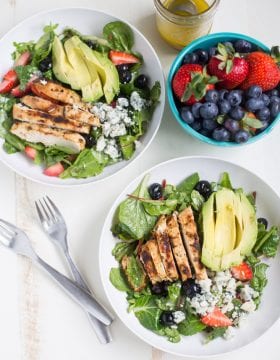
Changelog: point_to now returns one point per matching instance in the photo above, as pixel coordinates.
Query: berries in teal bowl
(224, 89)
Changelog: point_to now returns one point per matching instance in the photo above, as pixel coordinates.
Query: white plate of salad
(189, 256)
(81, 96)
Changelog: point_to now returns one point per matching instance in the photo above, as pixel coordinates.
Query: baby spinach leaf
(10, 149)
(155, 92)
(214, 334)
(225, 181)
(15, 141)
(259, 280)
(188, 184)
(119, 36)
(127, 145)
(118, 280)
(267, 241)
(88, 163)
(43, 46)
(132, 214)
(191, 325)
(135, 273)
(147, 312)
(123, 248)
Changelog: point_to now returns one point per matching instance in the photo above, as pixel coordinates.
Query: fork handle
(79, 295)
(102, 331)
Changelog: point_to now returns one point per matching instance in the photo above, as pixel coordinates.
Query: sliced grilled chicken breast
(178, 248)
(54, 91)
(32, 116)
(165, 250)
(155, 254)
(191, 240)
(48, 136)
(147, 261)
(85, 117)
(35, 102)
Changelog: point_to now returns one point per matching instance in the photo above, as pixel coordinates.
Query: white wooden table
(37, 321)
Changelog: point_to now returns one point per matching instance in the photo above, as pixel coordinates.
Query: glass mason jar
(178, 29)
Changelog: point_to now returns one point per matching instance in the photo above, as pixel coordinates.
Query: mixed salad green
(215, 305)
(120, 96)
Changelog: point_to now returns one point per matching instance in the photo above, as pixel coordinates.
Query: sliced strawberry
(119, 57)
(216, 319)
(242, 272)
(18, 92)
(54, 170)
(11, 75)
(6, 86)
(30, 152)
(23, 59)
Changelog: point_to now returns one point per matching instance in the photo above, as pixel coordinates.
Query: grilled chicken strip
(147, 261)
(54, 91)
(164, 246)
(38, 103)
(191, 240)
(178, 248)
(48, 136)
(155, 254)
(25, 114)
(71, 112)
(125, 264)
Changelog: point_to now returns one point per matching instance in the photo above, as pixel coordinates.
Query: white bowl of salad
(189, 256)
(81, 96)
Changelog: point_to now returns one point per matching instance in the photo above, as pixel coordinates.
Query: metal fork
(15, 239)
(55, 226)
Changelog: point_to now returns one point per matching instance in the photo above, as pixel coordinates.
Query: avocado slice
(62, 69)
(105, 69)
(229, 229)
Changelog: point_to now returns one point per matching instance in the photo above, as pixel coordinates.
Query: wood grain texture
(29, 302)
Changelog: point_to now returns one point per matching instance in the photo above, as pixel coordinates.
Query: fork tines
(47, 210)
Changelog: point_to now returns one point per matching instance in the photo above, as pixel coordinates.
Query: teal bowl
(206, 42)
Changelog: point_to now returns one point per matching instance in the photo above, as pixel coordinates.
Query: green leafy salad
(74, 103)
(192, 258)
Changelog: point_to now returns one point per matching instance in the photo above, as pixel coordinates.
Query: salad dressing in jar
(181, 21)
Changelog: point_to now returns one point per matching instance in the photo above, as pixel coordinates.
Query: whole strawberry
(191, 82)
(229, 67)
(263, 70)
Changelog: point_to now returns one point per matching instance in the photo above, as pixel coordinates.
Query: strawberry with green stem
(228, 67)
(191, 82)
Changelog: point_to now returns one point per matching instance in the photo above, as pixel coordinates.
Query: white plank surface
(36, 320)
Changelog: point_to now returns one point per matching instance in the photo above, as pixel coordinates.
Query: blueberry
(221, 134)
(125, 76)
(204, 132)
(195, 110)
(191, 58)
(273, 92)
(155, 191)
(141, 82)
(90, 140)
(122, 67)
(212, 51)
(263, 114)
(190, 288)
(167, 318)
(265, 99)
(186, 115)
(202, 56)
(160, 288)
(243, 46)
(212, 96)
(224, 107)
(209, 124)
(275, 99)
(237, 113)
(254, 104)
(45, 64)
(204, 188)
(234, 98)
(196, 125)
(241, 136)
(223, 94)
(274, 109)
(232, 125)
(263, 221)
(254, 91)
(208, 110)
